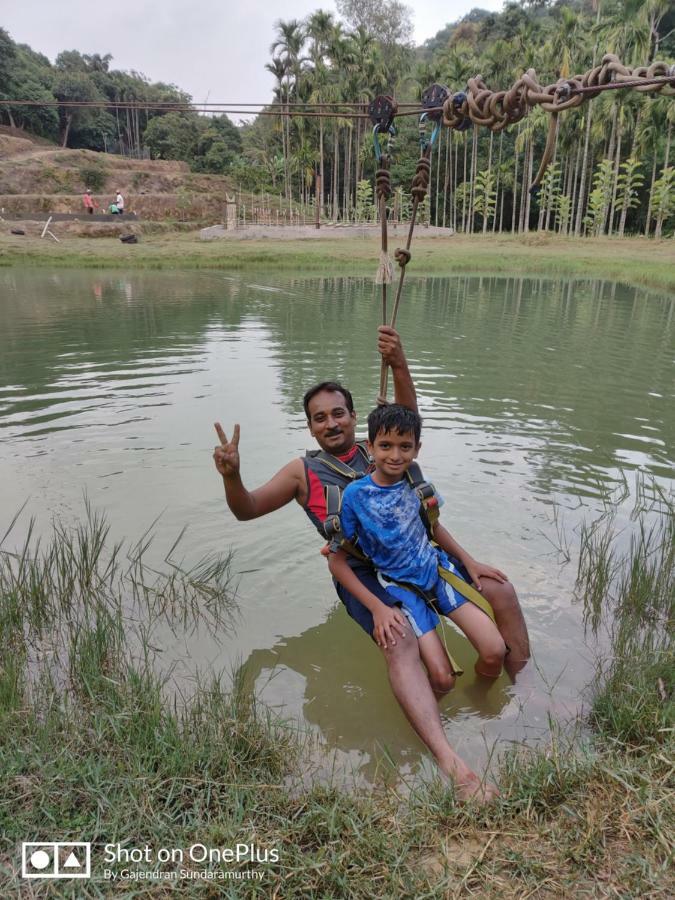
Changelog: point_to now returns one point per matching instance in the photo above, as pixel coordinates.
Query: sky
(213, 49)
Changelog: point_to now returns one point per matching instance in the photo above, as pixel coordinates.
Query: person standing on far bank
(119, 203)
(89, 202)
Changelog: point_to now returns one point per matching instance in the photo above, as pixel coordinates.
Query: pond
(539, 397)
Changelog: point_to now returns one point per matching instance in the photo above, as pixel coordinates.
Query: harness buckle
(331, 526)
(426, 491)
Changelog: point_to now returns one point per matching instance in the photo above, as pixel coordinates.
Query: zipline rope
(478, 105)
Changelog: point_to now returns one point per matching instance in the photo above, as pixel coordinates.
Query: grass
(636, 261)
(93, 747)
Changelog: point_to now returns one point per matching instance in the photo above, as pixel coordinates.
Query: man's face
(331, 423)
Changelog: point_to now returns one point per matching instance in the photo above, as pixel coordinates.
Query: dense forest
(611, 170)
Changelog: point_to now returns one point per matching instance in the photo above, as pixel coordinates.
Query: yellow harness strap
(466, 590)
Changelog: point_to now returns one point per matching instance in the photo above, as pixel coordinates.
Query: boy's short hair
(334, 387)
(394, 417)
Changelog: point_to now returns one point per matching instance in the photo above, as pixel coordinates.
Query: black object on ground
(129, 239)
(18, 231)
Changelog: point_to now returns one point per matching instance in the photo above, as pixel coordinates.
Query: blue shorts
(419, 613)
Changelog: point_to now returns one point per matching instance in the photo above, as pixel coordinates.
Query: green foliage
(663, 198)
(171, 136)
(365, 208)
(485, 196)
(630, 180)
(94, 177)
(598, 201)
(563, 212)
(550, 187)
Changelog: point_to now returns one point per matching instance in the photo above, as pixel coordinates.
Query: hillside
(39, 176)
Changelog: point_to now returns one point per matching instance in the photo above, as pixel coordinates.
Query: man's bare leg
(411, 687)
(510, 622)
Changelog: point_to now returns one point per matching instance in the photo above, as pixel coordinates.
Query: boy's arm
(389, 345)
(475, 569)
(387, 620)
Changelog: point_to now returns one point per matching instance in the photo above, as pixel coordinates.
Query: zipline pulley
(382, 111)
(433, 99)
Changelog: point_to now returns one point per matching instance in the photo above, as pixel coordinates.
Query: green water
(533, 392)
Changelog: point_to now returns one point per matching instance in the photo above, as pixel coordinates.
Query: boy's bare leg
(485, 637)
(510, 622)
(412, 689)
(436, 662)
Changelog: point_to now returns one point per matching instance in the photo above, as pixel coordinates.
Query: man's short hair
(394, 417)
(334, 387)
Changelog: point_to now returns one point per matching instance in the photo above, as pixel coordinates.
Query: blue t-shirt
(387, 523)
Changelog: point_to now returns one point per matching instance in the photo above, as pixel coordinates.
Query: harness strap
(333, 492)
(466, 590)
(337, 465)
(426, 492)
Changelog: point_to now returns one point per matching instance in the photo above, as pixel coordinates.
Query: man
(119, 203)
(89, 202)
(418, 666)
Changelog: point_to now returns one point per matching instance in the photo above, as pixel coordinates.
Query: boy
(381, 513)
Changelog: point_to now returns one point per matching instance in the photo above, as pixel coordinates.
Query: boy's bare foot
(474, 789)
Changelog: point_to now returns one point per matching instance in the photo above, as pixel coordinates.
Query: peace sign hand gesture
(226, 454)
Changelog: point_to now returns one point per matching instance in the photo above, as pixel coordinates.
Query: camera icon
(56, 859)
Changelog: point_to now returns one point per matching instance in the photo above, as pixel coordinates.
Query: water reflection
(569, 378)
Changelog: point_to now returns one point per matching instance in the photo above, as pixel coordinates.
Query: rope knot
(383, 183)
(402, 256)
(420, 182)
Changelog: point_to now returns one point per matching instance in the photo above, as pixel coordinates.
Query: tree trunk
(648, 223)
(474, 164)
(515, 191)
(321, 171)
(499, 172)
(528, 183)
(582, 184)
(667, 153)
(575, 185)
(448, 164)
(615, 184)
(336, 163)
(464, 187)
(454, 190)
(438, 176)
(69, 119)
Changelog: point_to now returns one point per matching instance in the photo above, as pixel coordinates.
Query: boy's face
(392, 453)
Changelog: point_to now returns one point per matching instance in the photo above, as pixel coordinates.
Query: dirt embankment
(38, 177)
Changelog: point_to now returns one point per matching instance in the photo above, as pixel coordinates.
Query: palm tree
(320, 30)
(288, 45)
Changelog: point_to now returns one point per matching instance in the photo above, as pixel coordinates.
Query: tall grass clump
(626, 579)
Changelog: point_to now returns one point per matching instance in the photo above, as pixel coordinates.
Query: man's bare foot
(474, 789)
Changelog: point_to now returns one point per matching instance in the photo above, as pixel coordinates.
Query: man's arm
(277, 492)
(475, 569)
(389, 345)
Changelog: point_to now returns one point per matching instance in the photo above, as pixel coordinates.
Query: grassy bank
(92, 749)
(635, 261)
